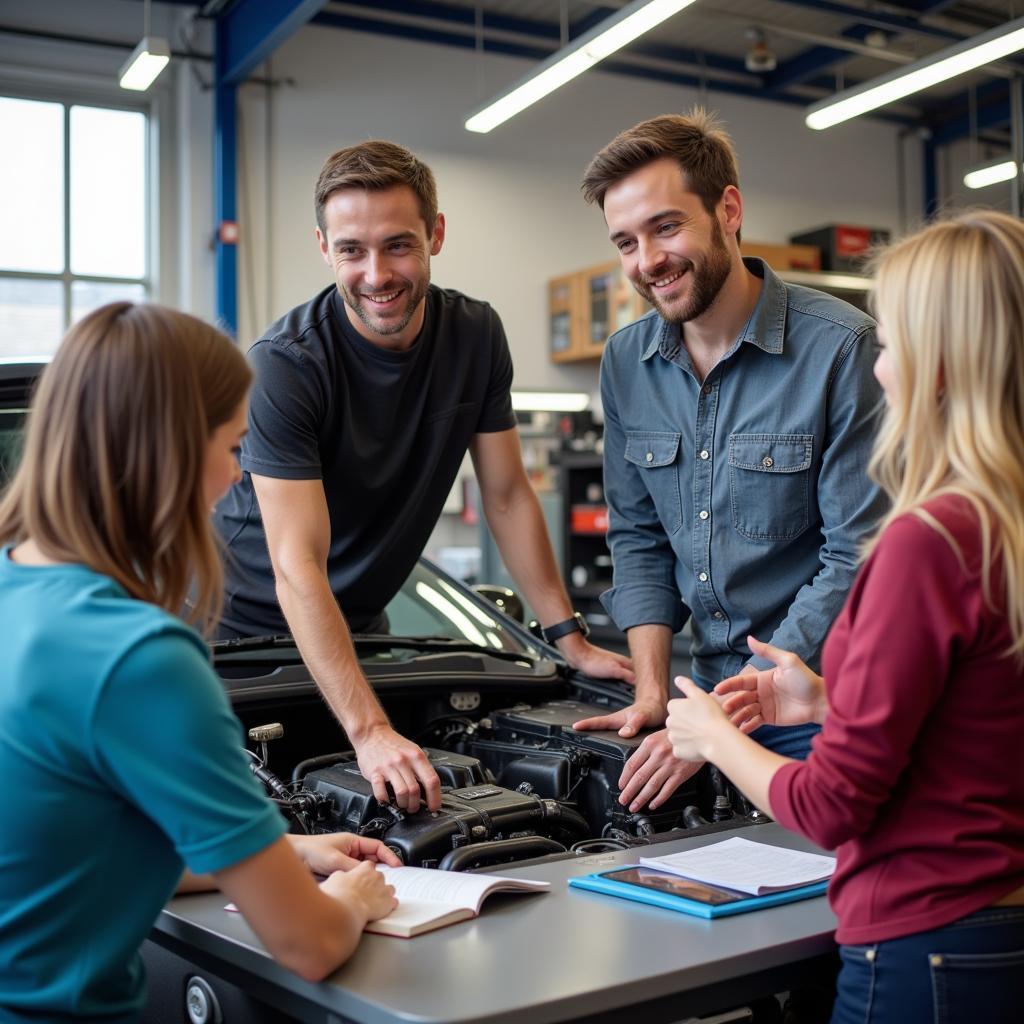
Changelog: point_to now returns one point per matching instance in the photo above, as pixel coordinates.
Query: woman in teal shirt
(124, 777)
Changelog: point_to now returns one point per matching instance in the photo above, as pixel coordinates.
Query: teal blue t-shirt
(121, 762)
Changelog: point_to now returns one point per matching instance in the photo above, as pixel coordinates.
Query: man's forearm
(325, 643)
(650, 647)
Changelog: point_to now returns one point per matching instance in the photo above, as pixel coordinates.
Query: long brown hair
(111, 472)
(951, 302)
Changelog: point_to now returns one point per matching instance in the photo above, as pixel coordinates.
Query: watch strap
(576, 624)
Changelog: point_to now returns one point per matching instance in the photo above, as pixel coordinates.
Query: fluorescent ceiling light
(148, 59)
(955, 60)
(1000, 169)
(604, 39)
(550, 401)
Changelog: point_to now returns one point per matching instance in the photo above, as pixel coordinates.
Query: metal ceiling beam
(951, 120)
(444, 35)
(804, 66)
(454, 29)
(878, 19)
(249, 31)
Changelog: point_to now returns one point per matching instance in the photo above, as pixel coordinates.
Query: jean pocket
(855, 985)
(979, 987)
(769, 484)
(657, 454)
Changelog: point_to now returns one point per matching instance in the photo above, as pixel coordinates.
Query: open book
(429, 899)
(744, 866)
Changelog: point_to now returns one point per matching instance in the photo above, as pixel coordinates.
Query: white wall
(511, 198)
(515, 217)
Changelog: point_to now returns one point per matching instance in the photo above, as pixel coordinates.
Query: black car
(491, 704)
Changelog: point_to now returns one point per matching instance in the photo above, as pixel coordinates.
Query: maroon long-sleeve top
(917, 778)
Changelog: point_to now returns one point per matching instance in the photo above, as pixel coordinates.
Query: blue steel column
(224, 195)
(246, 34)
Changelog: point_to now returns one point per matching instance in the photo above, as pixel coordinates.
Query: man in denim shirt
(739, 419)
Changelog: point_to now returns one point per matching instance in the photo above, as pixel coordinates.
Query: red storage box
(588, 519)
(843, 246)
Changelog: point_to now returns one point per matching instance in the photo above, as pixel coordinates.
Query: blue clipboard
(598, 882)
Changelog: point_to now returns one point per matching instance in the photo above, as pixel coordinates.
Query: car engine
(517, 783)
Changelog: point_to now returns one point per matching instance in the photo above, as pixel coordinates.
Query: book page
(745, 866)
(412, 916)
(451, 888)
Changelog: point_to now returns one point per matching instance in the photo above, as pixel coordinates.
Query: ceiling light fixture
(760, 58)
(631, 22)
(991, 173)
(148, 59)
(955, 60)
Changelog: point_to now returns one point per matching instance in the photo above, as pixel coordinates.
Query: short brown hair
(696, 140)
(376, 165)
(112, 470)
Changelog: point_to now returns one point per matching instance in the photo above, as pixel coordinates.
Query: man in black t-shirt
(365, 401)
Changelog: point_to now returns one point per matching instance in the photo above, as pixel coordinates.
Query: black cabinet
(586, 560)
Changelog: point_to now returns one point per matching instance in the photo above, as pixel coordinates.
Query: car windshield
(12, 423)
(431, 606)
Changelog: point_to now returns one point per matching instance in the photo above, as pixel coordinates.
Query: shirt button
(705, 454)
(706, 389)
(649, 456)
(767, 462)
(703, 514)
(718, 615)
(703, 577)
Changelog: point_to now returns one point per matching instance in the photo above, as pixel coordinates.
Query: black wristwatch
(577, 624)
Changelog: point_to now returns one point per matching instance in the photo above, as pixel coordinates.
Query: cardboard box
(784, 257)
(844, 247)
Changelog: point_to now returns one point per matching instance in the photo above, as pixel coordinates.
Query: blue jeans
(970, 972)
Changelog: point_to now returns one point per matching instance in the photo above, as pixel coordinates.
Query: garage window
(74, 217)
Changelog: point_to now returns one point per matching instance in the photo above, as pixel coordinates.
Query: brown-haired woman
(121, 759)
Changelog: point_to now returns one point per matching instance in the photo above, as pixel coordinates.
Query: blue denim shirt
(742, 500)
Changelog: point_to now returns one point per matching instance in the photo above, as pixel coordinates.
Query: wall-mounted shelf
(827, 280)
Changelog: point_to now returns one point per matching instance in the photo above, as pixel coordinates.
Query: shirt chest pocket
(769, 484)
(657, 455)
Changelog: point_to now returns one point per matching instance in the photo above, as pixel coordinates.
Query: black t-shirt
(385, 431)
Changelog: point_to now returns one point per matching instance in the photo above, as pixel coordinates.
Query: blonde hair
(951, 302)
(111, 475)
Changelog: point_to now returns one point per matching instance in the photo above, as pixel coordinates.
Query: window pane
(108, 192)
(31, 317)
(88, 295)
(32, 186)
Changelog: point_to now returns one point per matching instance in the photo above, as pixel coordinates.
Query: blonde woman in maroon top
(917, 778)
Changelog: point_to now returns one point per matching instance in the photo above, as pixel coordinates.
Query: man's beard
(366, 315)
(706, 281)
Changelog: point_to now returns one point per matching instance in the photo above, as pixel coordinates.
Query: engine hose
(692, 817)
(567, 818)
(271, 781)
(303, 768)
(498, 851)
